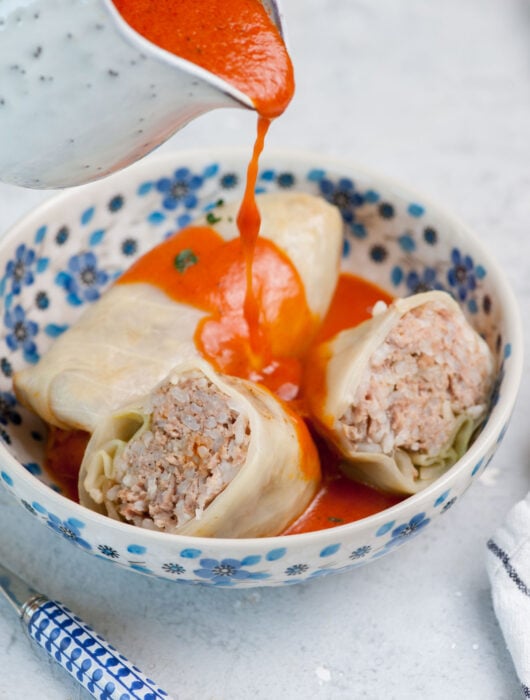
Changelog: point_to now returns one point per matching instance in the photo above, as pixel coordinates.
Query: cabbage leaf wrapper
(121, 346)
(402, 395)
(130, 338)
(202, 454)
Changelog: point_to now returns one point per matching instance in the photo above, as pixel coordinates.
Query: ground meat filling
(194, 447)
(431, 368)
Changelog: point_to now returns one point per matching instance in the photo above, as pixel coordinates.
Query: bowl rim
(489, 435)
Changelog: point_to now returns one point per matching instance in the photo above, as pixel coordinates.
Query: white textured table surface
(437, 94)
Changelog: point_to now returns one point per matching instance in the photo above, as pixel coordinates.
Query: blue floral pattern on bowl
(59, 261)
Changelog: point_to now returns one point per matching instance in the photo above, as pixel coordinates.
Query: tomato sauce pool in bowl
(105, 228)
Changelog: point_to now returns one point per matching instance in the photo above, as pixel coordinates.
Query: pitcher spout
(86, 95)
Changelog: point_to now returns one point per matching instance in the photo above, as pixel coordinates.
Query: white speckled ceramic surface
(60, 259)
(104, 96)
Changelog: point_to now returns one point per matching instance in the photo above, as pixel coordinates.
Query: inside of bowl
(62, 258)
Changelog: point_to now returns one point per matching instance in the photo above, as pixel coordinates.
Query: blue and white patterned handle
(95, 664)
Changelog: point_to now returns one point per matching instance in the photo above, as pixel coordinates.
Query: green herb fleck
(332, 519)
(211, 218)
(186, 258)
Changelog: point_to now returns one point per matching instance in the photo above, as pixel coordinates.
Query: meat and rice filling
(430, 368)
(193, 448)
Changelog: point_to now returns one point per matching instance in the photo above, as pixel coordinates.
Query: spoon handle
(93, 662)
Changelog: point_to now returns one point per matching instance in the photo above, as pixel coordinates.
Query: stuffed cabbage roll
(121, 346)
(401, 394)
(202, 454)
(135, 333)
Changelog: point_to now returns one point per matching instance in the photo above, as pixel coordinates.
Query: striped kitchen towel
(508, 565)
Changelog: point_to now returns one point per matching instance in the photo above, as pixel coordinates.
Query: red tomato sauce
(64, 454)
(338, 500)
(195, 266)
(233, 39)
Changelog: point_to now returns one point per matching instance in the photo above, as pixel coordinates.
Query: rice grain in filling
(194, 446)
(430, 368)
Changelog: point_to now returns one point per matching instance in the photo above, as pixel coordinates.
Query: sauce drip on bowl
(237, 41)
(196, 267)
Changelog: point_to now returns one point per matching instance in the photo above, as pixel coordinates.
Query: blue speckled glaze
(61, 258)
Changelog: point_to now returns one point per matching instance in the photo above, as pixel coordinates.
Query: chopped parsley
(186, 258)
(211, 218)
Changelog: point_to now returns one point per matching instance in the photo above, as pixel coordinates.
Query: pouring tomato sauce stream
(246, 331)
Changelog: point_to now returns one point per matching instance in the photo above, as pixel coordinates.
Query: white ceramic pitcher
(83, 95)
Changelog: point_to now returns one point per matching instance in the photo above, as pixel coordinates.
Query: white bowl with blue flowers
(60, 258)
